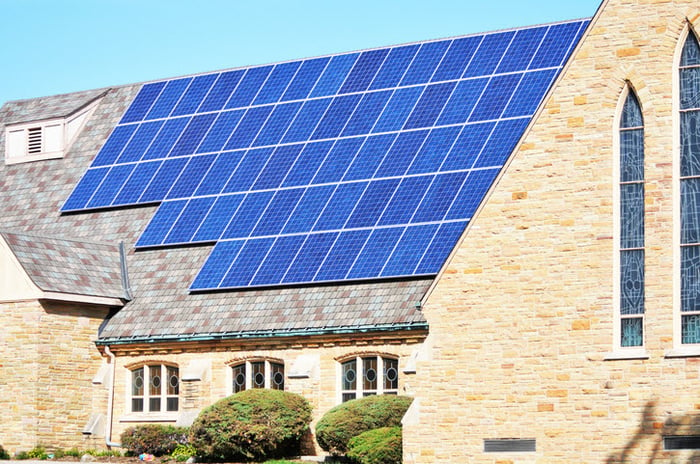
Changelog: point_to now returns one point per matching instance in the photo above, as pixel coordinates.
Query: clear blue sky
(58, 46)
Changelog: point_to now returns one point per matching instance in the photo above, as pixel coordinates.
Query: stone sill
(154, 417)
(683, 352)
(621, 355)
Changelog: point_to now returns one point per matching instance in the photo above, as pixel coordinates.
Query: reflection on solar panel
(356, 166)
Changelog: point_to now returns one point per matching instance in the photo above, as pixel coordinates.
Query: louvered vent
(34, 140)
(509, 445)
(682, 443)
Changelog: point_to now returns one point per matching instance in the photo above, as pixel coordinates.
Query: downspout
(112, 357)
(110, 402)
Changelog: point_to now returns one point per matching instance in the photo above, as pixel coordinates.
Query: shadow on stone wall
(650, 434)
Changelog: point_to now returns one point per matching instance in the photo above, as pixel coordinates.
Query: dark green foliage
(378, 446)
(252, 425)
(3, 454)
(158, 440)
(348, 420)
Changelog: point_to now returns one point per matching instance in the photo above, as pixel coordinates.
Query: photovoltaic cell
(361, 165)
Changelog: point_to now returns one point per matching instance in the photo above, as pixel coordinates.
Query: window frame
(621, 351)
(359, 391)
(680, 349)
(251, 368)
(147, 398)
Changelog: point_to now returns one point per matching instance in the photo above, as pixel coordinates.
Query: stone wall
(522, 318)
(321, 387)
(47, 363)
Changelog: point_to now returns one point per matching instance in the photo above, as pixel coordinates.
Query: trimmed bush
(252, 425)
(155, 439)
(348, 420)
(378, 446)
(4, 454)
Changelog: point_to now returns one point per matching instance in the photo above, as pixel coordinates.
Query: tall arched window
(690, 189)
(631, 180)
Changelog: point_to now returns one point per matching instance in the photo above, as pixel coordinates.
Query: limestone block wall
(321, 387)
(522, 318)
(47, 362)
(19, 374)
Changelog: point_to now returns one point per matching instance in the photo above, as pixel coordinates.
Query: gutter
(110, 402)
(260, 334)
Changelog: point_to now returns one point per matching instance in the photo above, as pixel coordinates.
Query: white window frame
(359, 391)
(249, 365)
(53, 137)
(679, 349)
(164, 396)
(618, 351)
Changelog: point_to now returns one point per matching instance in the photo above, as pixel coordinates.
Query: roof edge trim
(415, 326)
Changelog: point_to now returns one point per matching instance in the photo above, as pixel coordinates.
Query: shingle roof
(66, 266)
(47, 107)
(31, 195)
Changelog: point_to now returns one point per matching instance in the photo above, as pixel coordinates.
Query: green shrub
(348, 420)
(38, 452)
(252, 425)
(183, 452)
(4, 454)
(158, 440)
(378, 446)
(22, 455)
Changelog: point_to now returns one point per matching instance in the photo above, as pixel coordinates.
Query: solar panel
(364, 165)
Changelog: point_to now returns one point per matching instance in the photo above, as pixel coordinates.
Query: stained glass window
(377, 376)
(153, 386)
(631, 223)
(258, 374)
(690, 189)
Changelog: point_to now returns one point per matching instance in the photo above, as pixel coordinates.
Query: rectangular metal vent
(510, 445)
(682, 443)
(34, 140)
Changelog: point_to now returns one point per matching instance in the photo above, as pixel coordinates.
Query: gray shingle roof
(65, 266)
(56, 106)
(31, 195)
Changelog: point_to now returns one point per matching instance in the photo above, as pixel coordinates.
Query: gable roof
(58, 266)
(110, 158)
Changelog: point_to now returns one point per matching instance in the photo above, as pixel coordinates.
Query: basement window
(682, 443)
(42, 140)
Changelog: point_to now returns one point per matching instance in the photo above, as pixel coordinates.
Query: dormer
(40, 140)
(45, 128)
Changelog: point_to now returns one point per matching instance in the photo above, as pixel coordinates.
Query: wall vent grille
(682, 443)
(510, 445)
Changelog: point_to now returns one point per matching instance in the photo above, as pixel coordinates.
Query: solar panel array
(354, 166)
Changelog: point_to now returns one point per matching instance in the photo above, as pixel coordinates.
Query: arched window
(257, 374)
(631, 228)
(155, 388)
(689, 87)
(369, 375)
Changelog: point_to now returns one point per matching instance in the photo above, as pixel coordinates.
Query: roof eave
(261, 334)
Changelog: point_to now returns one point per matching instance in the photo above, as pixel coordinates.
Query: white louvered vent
(34, 140)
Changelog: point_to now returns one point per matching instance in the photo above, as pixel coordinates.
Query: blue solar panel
(168, 98)
(356, 166)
